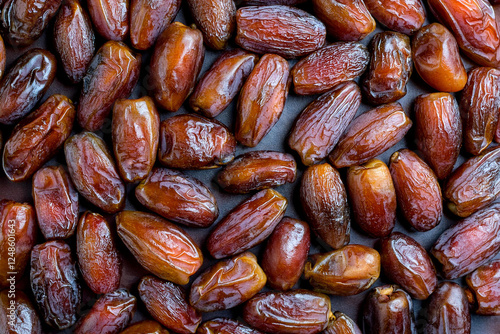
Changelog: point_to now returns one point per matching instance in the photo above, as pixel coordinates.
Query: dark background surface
(275, 140)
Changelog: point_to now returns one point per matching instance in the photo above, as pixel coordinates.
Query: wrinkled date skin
(74, 39)
(178, 197)
(388, 310)
(417, 190)
(38, 137)
(248, 224)
(56, 202)
(3, 57)
(175, 65)
(225, 326)
(406, 263)
(166, 302)
(324, 69)
(480, 106)
(262, 99)
(484, 286)
(222, 82)
(145, 327)
(324, 200)
(468, 244)
(21, 218)
(286, 253)
(372, 197)
(292, 312)
(98, 258)
(54, 282)
(257, 170)
(390, 68)
(438, 131)
(345, 272)
(370, 134)
(159, 246)
(319, 126)
(135, 128)
(110, 314)
(112, 75)
(448, 311)
(25, 83)
(227, 284)
(268, 2)
(404, 16)
(110, 18)
(341, 324)
(23, 21)
(148, 19)
(93, 172)
(194, 142)
(24, 320)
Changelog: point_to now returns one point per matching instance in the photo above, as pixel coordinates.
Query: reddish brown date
(175, 65)
(25, 83)
(54, 282)
(268, 2)
(74, 39)
(166, 302)
(220, 84)
(484, 288)
(194, 142)
(248, 224)
(3, 57)
(324, 201)
(390, 68)
(292, 312)
(404, 16)
(225, 326)
(324, 69)
(145, 327)
(111, 75)
(319, 126)
(341, 324)
(159, 246)
(110, 18)
(17, 314)
(178, 197)
(38, 137)
(135, 128)
(371, 134)
(262, 99)
(93, 172)
(257, 170)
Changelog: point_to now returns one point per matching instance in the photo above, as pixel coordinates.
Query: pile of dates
(141, 220)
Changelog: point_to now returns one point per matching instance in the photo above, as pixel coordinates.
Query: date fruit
(3, 58)
(484, 288)
(17, 314)
(404, 16)
(145, 327)
(341, 324)
(110, 18)
(225, 326)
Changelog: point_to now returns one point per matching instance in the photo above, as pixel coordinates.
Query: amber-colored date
(248, 224)
(404, 16)
(18, 314)
(145, 327)
(194, 142)
(484, 289)
(167, 303)
(257, 170)
(93, 172)
(319, 126)
(225, 326)
(178, 197)
(159, 246)
(110, 18)
(38, 137)
(341, 324)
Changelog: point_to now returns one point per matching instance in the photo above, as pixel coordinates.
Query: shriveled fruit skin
(225, 326)
(110, 18)
(145, 327)
(25, 320)
(3, 57)
(404, 16)
(484, 285)
(342, 324)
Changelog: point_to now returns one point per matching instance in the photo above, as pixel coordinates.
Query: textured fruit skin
(483, 283)
(269, 2)
(110, 18)
(25, 320)
(341, 324)
(319, 126)
(54, 282)
(470, 243)
(286, 31)
(3, 57)
(225, 326)
(159, 246)
(262, 99)
(166, 302)
(145, 327)
(404, 16)
(324, 200)
(324, 69)
(38, 137)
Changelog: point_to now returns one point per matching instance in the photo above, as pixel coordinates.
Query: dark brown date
(324, 201)
(370, 134)
(3, 57)
(54, 282)
(248, 224)
(319, 126)
(286, 31)
(404, 16)
(262, 99)
(257, 170)
(326, 68)
(111, 75)
(93, 172)
(225, 326)
(166, 302)
(145, 327)
(194, 142)
(159, 246)
(484, 288)
(110, 18)
(341, 324)
(38, 137)
(18, 314)
(135, 130)
(178, 197)
(268, 2)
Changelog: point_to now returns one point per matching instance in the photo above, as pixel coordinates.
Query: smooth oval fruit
(225, 326)
(404, 16)
(341, 324)
(110, 18)
(145, 327)
(17, 314)
(484, 285)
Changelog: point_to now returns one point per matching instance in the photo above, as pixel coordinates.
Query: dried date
(404, 16)
(145, 327)
(484, 289)
(341, 324)
(23, 319)
(225, 326)
(110, 18)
